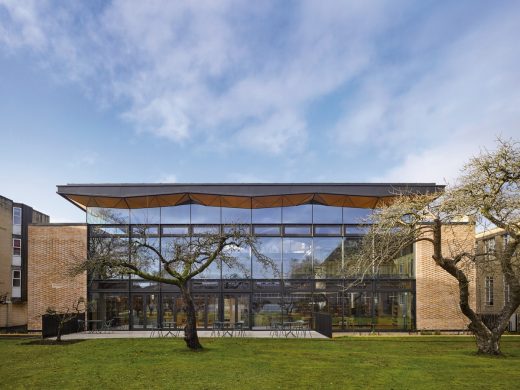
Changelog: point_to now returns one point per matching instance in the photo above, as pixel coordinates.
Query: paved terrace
(202, 334)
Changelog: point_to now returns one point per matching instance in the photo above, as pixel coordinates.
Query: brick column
(437, 294)
(53, 249)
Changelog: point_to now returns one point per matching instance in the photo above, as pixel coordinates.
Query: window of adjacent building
(17, 247)
(489, 246)
(489, 290)
(17, 278)
(17, 216)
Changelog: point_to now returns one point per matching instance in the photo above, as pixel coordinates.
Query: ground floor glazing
(381, 305)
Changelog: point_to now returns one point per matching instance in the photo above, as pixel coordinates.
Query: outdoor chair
(215, 330)
(238, 329)
(107, 326)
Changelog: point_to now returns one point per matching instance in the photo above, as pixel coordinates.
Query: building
(492, 289)
(309, 230)
(14, 223)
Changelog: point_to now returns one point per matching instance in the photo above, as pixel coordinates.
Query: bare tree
(67, 314)
(487, 193)
(181, 259)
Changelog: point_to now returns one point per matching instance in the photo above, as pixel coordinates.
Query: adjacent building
(493, 290)
(14, 224)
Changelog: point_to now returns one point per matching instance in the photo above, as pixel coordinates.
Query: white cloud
(205, 69)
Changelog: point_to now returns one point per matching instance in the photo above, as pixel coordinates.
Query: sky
(242, 91)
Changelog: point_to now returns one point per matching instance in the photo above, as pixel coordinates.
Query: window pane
(175, 214)
(326, 214)
(205, 229)
(297, 258)
(204, 214)
(328, 230)
(175, 230)
(99, 215)
(242, 268)
(297, 214)
(298, 230)
(267, 230)
(355, 215)
(145, 216)
(17, 216)
(267, 215)
(145, 258)
(271, 248)
(327, 257)
(236, 215)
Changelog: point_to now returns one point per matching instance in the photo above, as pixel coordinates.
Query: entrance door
(236, 309)
(145, 309)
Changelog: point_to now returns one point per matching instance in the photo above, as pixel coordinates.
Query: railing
(322, 323)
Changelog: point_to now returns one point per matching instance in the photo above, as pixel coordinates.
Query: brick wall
(53, 249)
(437, 291)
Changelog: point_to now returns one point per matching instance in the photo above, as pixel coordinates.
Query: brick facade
(53, 249)
(437, 293)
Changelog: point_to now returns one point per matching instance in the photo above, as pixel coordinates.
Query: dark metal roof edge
(245, 184)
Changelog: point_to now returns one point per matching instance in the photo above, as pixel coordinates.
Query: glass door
(236, 309)
(144, 311)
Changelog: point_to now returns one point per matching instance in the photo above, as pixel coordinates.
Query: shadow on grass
(51, 342)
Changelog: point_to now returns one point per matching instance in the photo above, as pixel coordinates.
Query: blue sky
(239, 91)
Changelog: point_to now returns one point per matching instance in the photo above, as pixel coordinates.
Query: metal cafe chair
(238, 329)
(216, 328)
(106, 327)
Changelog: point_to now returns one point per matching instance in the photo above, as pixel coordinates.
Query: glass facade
(311, 247)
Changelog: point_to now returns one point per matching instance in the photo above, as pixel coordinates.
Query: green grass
(351, 362)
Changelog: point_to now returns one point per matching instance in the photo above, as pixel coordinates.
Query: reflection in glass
(298, 307)
(326, 214)
(327, 230)
(267, 230)
(356, 215)
(205, 214)
(108, 247)
(145, 258)
(393, 310)
(175, 214)
(358, 310)
(236, 215)
(100, 215)
(297, 258)
(297, 214)
(297, 230)
(267, 310)
(110, 307)
(236, 309)
(350, 245)
(242, 268)
(175, 230)
(267, 215)
(270, 247)
(145, 216)
(327, 257)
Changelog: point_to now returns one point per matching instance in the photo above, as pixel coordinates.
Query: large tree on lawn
(486, 194)
(181, 259)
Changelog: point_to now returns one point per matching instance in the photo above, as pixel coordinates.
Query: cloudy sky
(250, 91)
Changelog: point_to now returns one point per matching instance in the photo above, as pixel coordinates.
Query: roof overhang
(252, 195)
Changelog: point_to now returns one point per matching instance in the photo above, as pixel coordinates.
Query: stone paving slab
(202, 334)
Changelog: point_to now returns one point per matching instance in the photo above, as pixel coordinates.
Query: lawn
(434, 362)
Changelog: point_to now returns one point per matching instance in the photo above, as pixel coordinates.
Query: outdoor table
(287, 327)
(225, 327)
(171, 329)
(95, 326)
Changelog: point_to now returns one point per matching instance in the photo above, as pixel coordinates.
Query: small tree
(181, 259)
(67, 314)
(488, 191)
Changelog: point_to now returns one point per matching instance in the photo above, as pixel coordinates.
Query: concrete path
(202, 334)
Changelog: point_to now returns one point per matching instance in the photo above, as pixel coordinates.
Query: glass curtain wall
(311, 247)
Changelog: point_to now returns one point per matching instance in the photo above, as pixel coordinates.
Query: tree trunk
(488, 343)
(190, 330)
